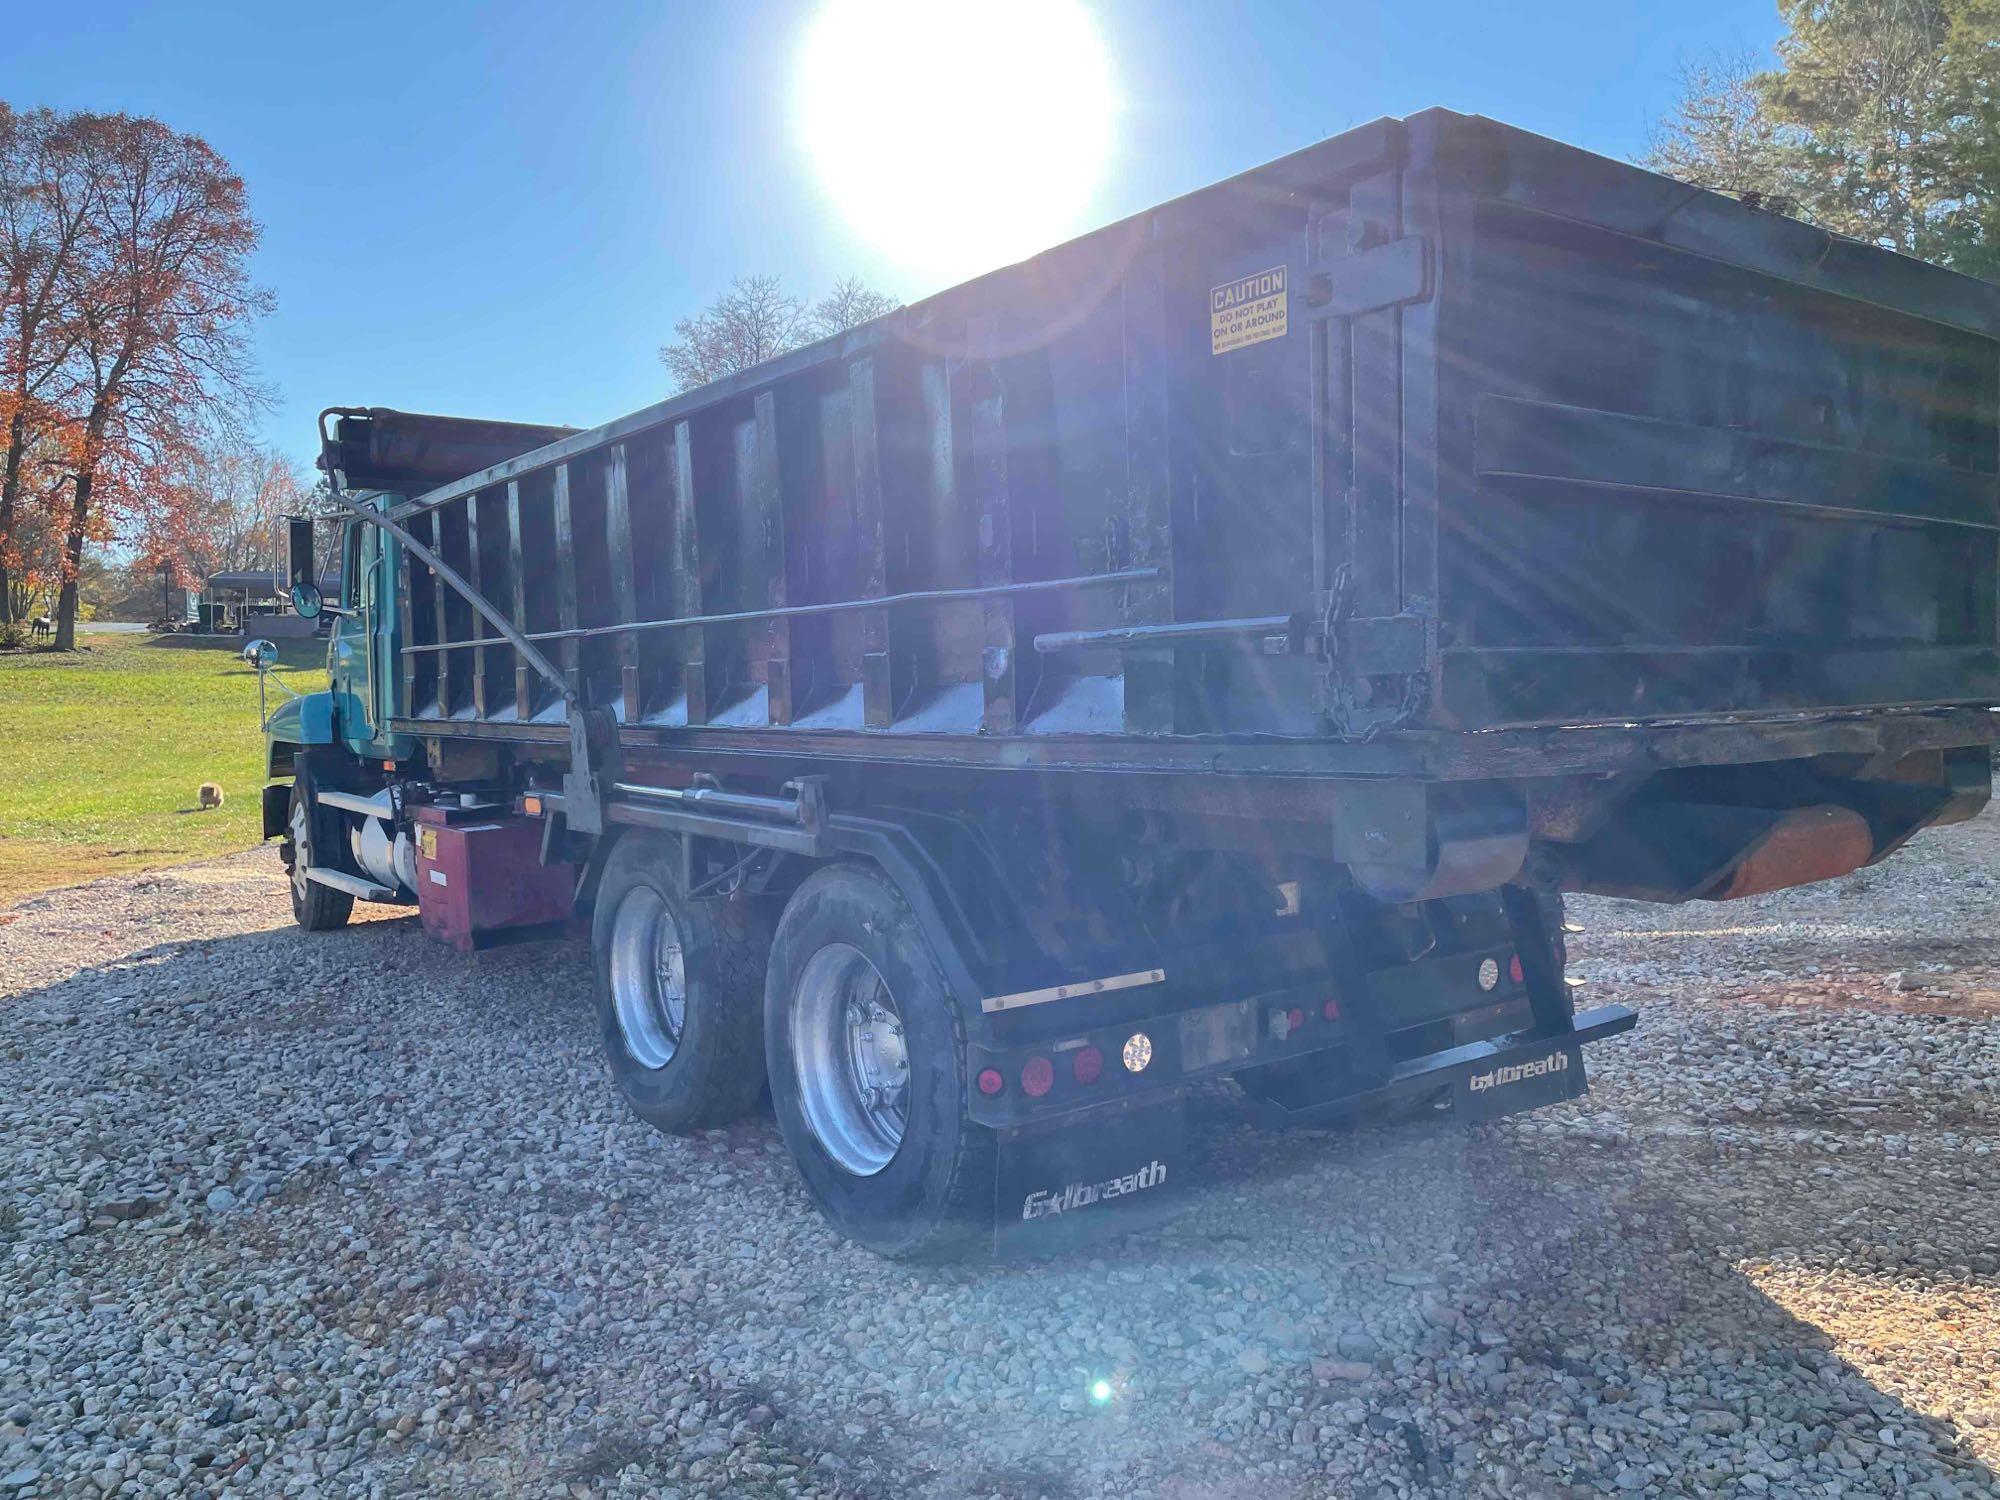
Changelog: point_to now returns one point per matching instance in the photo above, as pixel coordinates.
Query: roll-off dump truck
(1210, 649)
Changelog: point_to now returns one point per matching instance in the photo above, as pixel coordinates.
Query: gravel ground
(348, 1215)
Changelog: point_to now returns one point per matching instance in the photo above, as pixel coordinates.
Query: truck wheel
(678, 990)
(313, 837)
(867, 1064)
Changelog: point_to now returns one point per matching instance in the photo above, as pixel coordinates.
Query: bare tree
(164, 302)
(756, 320)
(1720, 135)
(849, 303)
(753, 321)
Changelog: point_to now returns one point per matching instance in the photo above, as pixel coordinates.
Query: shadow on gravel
(1419, 1304)
(1622, 1296)
(1597, 1308)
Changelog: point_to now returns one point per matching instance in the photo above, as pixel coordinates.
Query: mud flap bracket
(593, 767)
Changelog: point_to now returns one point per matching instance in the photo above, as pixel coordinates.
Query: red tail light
(1331, 1010)
(1038, 1075)
(1088, 1065)
(990, 1081)
(1514, 969)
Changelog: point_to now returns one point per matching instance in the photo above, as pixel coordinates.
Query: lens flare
(957, 135)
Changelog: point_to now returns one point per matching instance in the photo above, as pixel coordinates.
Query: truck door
(351, 664)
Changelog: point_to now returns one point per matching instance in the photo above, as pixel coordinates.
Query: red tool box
(480, 876)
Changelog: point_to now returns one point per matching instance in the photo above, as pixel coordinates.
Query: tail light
(1088, 1065)
(990, 1081)
(1514, 970)
(1038, 1076)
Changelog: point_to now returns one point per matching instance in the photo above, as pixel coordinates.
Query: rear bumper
(1191, 1046)
(1519, 1071)
(1119, 1168)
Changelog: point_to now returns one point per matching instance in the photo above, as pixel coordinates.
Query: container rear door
(1685, 472)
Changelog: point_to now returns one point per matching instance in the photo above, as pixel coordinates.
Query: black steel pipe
(508, 636)
(794, 611)
(790, 809)
(1172, 633)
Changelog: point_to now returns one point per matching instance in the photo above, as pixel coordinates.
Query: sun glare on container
(956, 137)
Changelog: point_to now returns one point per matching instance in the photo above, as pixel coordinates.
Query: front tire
(679, 990)
(313, 836)
(866, 1058)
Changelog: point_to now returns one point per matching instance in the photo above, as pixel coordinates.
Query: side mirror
(298, 552)
(263, 655)
(306, 600)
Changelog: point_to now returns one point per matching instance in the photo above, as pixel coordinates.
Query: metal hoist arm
(593, 733)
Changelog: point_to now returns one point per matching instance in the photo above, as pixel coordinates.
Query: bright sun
(957, 135)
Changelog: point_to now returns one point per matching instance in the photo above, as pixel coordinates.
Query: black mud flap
(1524, 1083)
(277, 807)
(1085, 1179)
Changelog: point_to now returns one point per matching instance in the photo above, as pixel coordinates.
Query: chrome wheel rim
(852, 1061)
(300, 828)
(648, 978)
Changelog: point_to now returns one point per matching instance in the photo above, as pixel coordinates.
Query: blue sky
(501, 210)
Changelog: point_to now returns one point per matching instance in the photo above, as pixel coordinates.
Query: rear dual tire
(679, 985)
(844, 1010)
(866, 1059)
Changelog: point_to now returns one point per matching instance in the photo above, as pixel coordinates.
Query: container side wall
(1435, 425)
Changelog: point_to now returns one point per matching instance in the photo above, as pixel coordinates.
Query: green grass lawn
(101, 753)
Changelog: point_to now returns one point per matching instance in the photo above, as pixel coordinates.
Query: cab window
(350, 566)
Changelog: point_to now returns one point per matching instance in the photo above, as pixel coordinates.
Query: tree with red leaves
(162, 299)
(233, 503)
(44, 206)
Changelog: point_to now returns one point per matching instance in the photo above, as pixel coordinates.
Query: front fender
(304, 720)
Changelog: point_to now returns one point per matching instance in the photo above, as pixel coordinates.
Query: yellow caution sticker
(427, 842)
(1247, 311)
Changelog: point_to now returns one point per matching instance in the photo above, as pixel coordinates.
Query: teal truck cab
(358, 702)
